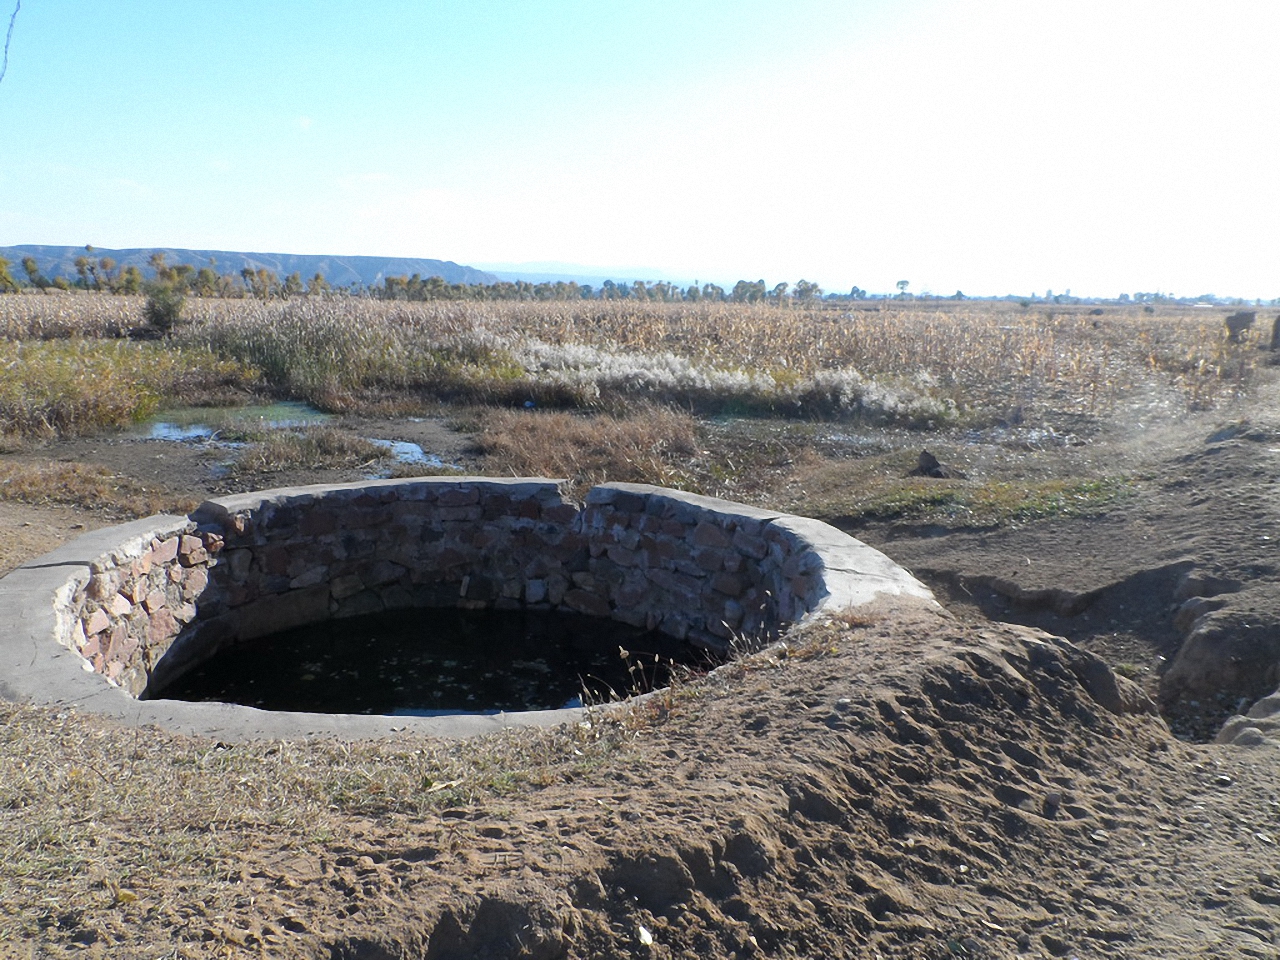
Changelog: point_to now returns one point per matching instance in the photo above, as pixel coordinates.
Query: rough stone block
(709, 535)
(750, 545)
(591, 604)
(728, 584)
(272, 614)
(161, 629)
(238, 563)
(458, 496)
(101, 586)
(97, 622)
(343, 587)
(708, 560)
(362, 604)
(192, 551)
(166, 550)
(309, 578)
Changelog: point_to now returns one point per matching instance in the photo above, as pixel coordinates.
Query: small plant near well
(163, 309)
(313, 448)
(1130, 671)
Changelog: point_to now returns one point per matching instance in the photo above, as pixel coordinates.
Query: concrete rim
(36, 668)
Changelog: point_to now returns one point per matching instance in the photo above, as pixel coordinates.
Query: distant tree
(205, 283)
(162, 270)
(902, 287)
(34, 276)
(293, 285)
(779, 293)
(711, 291)
(959, 295)
(7, 283)
(131, 280)
(82, 271)
(61, 283)
(806, 291)
(693, 294)
(317, 285)
(857, 293)
(264, 284)
(109, 275)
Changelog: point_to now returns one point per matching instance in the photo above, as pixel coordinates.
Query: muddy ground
(909, 786)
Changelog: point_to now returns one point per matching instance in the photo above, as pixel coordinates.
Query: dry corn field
(68, 364)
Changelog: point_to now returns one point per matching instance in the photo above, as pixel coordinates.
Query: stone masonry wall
(138, 599)
(250, 565)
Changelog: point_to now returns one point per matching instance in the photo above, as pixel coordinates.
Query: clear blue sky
(992, 146)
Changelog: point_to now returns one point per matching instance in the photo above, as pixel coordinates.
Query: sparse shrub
(314, 448)
(163, 308)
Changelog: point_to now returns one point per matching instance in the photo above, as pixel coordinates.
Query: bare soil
(915, 785)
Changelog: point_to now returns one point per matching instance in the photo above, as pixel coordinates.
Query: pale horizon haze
(988, 146)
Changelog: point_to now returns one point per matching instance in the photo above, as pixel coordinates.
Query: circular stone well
(96, 621)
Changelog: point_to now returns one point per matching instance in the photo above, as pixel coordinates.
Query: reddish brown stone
(162, 628)
(97, 622)
(165, 551)
(709, 535)
(195, 582)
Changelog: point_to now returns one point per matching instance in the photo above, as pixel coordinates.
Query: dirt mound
(914, 787)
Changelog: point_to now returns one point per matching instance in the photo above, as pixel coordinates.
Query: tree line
(103, 274)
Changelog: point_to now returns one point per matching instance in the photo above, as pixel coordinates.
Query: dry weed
(89, 487)
(654, 445)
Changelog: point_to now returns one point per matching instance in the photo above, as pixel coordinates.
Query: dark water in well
(428, 662)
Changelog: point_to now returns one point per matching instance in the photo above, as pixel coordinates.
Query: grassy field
(916, 363)
(622, 390)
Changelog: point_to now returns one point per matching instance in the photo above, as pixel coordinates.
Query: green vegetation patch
(67, 388)
(968, 503)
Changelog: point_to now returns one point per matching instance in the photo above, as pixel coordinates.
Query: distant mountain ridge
(338, 270)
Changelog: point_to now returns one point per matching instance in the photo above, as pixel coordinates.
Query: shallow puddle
(207, 423)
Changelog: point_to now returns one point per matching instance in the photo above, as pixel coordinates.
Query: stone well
(94, 622)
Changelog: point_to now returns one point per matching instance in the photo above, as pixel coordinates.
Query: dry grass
(654, 445)
(89, 487)
(313, 448)
(907, 363)
(90, 853)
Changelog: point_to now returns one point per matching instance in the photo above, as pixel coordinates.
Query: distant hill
(339, 271)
